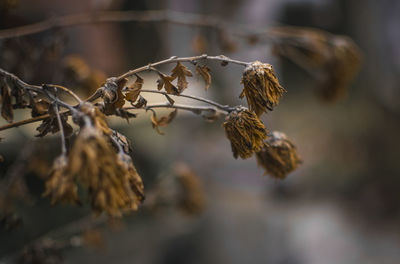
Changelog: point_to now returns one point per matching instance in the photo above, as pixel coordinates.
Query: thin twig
(74, 95)
(99, 92)
(179, 18)
(25, 122)
(61, 127)
(180, 106)
(38, 89)
(181, 59)
(226, 108)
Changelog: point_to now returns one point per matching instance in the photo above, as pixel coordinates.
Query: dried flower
(110, 177)
(261, 87)
(340, 70)
(245, 131)
(97, 118)
(333, 60)
(278, 156)
(59, 186)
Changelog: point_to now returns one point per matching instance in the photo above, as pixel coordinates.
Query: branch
(99, 91)
(173, 59)
(180, 106)
(39, 89)
(225, 108)
(61, 127)
(179, 18)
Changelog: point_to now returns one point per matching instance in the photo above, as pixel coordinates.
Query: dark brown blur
(341, 204)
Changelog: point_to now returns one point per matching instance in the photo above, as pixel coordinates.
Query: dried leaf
(40, 107)
(142, 102)
(170, 100)
(180, 71)
(163, 121)
(134, 90)
(113, 96)
(204, 72)
(125, 114)
(50, 125)
(6, 102)
(165, 81)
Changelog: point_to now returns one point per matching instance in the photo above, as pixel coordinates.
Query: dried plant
(100, 159)
(261, 87)
(333, 60)
(278, 156)
(245, 131)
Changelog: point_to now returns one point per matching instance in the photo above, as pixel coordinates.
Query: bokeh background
(341, 205)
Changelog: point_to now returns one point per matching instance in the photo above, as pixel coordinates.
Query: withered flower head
(60, 187)
(96, 117)
(261, 87)
(341, 68)
(278, 156)
(111, 178)
(333, 60)
(245, 131)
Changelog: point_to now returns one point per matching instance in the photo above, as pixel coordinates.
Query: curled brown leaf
(163, 121)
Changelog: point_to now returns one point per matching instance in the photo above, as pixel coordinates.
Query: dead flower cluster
(111, 179)
(261, 87)
(333, 60)
(245, 131)
(278, 156)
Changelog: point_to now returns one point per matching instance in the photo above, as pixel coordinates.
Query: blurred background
(342, 205)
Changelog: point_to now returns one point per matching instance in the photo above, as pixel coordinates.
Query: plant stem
(179, 106)
(179, 18)
(226, 108)
(61, 127)
(181, 59)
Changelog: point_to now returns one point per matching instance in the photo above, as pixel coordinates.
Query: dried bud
(261, 87)
(278, 156)
(245, 131)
